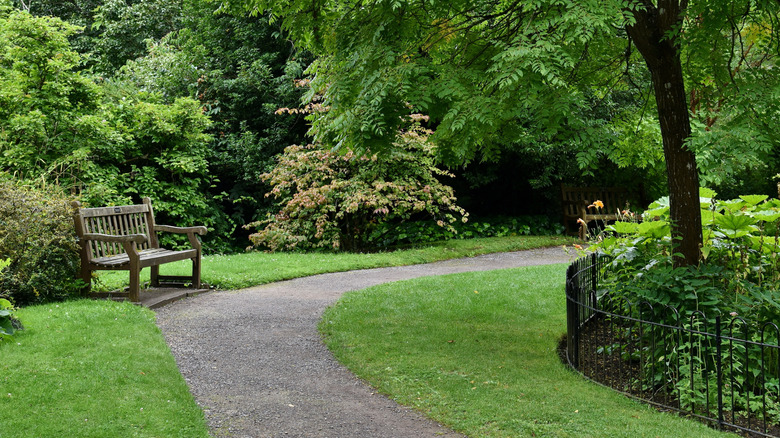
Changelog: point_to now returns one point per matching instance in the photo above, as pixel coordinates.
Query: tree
(241, 71)
(104, 140)
(112, 31)
(656, 33)
(124, 26)
(492, 72)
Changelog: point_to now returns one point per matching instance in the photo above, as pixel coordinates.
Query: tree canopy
(494, 74)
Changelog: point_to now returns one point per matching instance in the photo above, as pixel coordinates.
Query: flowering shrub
(329, 200)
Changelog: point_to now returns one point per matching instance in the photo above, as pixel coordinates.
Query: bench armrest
(181, 230)
(137, 238)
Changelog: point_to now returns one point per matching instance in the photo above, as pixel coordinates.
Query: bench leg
(155, 276)
(86, 277)
(135, 288)
(135, 281)
(583, 231)
(196, 272)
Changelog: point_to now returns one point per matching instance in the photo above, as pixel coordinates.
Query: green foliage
(104, 139)
(738, 275)
(36, 234)
(734, 94)
(9, 324)
(125, 26)
(241, 71)
(535, 88)
(336, 201)
(740, 245)
(45, 106)
(389, 234)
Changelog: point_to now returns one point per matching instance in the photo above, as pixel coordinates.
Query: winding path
(255, 363)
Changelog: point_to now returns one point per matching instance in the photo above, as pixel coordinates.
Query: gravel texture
(254, 360)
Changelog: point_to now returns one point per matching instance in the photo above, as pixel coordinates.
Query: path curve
(255, 363)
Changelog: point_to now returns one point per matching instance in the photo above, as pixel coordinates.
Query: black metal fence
(724, 370)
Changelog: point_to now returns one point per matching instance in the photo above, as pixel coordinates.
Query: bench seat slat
(111, 211)
(149, 257)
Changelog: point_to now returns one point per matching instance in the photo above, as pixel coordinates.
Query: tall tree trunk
(653, 34)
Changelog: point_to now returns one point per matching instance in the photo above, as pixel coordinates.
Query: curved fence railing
(724, 370)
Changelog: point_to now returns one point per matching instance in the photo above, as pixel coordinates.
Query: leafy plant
(389, 234)
(37, 237)
(336, 201)
(738, 275)
(8, 323)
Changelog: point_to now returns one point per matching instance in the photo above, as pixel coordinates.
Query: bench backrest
(614, 199)
(117, 221)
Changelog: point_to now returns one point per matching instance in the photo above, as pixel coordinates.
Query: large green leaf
(625, 227)
(658, 209)
(706, 196)
(705, 192)
(767, 215)
(754, 199)
(731, 205)
(735, 225)
(654, 229)
(6, 326)
(766, 245)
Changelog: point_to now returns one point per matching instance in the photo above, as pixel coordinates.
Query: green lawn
(93, 369)
(464, 349)
(102, 369)
(477, 352)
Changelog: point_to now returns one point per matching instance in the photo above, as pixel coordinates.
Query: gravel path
(254, 360)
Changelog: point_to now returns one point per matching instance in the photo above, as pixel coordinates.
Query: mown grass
(477, 352)
(102, 369)
(93, 369)
(254, 268)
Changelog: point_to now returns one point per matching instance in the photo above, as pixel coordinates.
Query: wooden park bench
(576, 202)
(125, 238)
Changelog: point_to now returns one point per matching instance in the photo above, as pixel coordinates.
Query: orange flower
(580, 221)
(599, 204)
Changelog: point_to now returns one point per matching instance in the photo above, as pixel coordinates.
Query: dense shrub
(37, 235)
(328, 200)
(409, 233)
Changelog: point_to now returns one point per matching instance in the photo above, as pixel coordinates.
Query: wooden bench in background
(576, 200)
(125, 238)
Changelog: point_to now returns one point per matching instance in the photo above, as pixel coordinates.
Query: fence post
(719, 369)
(594, 274)
(573, 314)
